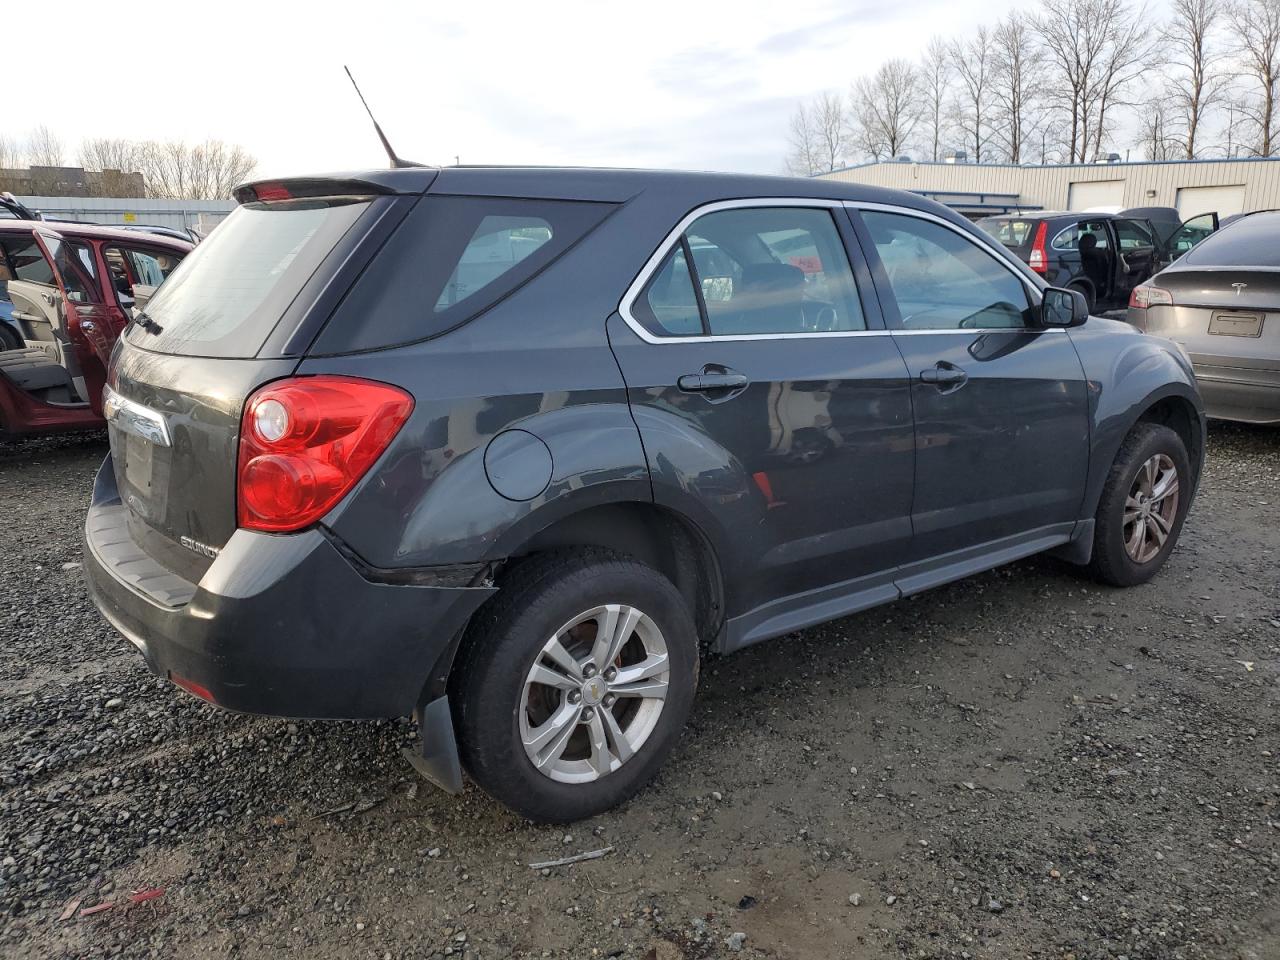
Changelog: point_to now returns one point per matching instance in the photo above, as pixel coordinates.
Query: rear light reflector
(193, 688)
(1039, 259)
(305, 442)
(1145, 295)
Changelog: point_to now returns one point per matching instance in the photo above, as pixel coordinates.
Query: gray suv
(511, 449)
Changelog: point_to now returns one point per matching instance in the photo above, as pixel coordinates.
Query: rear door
(184, 368)
(1001, 407)
(768, 394)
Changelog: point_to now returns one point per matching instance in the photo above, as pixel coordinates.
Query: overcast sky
(696, 84)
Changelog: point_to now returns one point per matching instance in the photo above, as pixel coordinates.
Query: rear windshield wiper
(146, 323)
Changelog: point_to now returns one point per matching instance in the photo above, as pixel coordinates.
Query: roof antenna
(386, 144)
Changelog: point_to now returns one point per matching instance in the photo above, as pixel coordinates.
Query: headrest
(771, 277)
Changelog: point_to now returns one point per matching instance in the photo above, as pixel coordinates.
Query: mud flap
(436, 758)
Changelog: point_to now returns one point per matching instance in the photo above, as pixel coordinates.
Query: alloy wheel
(1151, 508)
(594, 693)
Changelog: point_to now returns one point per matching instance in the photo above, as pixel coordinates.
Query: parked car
(66, 292)
(1102, 255)
(1221, 302)
(685, 412)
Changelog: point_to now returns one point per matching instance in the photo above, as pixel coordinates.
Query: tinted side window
(77, 268)
(1070, 238)
(131, 266)
(943, 281)
(1191, 233)
(451, 259)
(1131, 235)
(498, 244)
(756, 271)
(1248, 242)
(669, 305)
(27, 261)
(788, 272)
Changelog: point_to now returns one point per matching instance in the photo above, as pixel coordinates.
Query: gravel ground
(1023, 764)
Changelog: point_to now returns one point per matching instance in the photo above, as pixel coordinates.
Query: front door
(773, 407)
(85, 333)
(1001, 409)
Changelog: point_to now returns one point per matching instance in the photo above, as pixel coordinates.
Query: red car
(67, 290)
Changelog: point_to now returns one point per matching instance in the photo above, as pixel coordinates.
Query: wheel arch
(1180, 415)
(655, 535)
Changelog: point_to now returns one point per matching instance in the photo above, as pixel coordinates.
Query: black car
(1102, 255)
(513, 448)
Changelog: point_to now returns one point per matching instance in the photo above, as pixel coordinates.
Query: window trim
(675, 236)
(984, 243)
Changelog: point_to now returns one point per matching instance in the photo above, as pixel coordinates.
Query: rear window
(451, 259)
(1249, 242)
(1013, 233)
(225, 298)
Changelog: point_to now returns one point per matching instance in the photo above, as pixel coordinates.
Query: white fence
(200, 214)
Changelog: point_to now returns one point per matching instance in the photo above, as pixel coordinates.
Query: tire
(1114, 560)
(499, 707)
(1088, 294)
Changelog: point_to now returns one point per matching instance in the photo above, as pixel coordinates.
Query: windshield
(1009, 231)
(225, 298)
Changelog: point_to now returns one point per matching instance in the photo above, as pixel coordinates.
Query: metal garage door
(1193, 201)
(1091, 194)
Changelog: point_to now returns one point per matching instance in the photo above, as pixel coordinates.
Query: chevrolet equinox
(511, 449)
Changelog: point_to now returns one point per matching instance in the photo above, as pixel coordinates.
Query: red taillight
(1144, 295)
(305, 442)
(1039, 259)
(272, 191)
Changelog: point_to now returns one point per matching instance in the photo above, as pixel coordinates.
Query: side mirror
(1063, 308)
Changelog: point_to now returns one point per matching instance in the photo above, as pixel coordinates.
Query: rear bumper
(1235, 389)
(279, 625)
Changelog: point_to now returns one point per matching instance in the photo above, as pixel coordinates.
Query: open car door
(1138, 253)
(1188, 235)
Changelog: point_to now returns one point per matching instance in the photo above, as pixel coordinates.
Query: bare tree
(885, 108)
(935, 80)
(117, 163)
(1073, 47)
(44, 149)
(1015, 85)
(1158, 139)
(1256, 24)
(1198, 83)
(975, 69)
(831, 125)
(221, 168)
(109, 153)
(206, 171)
(11, 153)
(803, 149)
(1127, 54)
